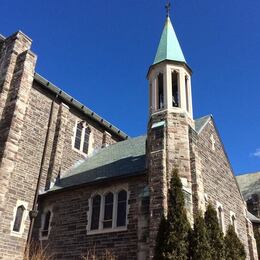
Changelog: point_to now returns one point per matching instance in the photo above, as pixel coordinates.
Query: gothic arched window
(18, 218)
(187, 93)
(108, 210)
(96, 202)
(82, 137)
(220, 217)
(121, 208)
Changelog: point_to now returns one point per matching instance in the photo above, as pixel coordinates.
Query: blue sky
(100, 51)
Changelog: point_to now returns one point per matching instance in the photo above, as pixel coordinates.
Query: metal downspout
(33, 213)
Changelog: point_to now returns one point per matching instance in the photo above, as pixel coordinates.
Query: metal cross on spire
(168, 8)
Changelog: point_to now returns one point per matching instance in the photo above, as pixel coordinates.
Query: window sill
(80, 152)
(108, 230)
(16, 234)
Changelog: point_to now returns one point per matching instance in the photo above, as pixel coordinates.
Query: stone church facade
(75, 183)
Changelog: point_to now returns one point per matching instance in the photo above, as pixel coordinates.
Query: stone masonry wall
(24, 115)
(68, 238)
(16, 76)
(219, 182)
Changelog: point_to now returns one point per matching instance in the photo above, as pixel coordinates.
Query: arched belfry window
(96, 202)
(175, 89)
(160, 100)
(187, 93)
(18, 218)
(82, 137)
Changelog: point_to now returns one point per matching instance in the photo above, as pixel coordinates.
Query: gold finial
(168, 8)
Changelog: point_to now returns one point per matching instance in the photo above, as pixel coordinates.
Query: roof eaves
(75, 103)
(104, 180)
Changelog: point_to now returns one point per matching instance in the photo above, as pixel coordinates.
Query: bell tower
(169, 126)
(169, 76)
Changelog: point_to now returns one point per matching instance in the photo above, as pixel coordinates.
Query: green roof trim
(169, 47)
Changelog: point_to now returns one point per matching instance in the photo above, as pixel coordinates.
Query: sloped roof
(123, 159)
(169, 47)
(120, 160)
(249, 184)
(253, 218)
(201, 122)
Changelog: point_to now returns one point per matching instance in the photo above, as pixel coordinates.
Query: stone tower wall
(17, 65)
(168, 148)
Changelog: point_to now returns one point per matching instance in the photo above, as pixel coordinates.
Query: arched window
(77, 143)
(220, 217)
(187, 93)
(108, 211)
(46, 224)
(160, 91)
(175, 89)
(86, 140)
(82, 137)
(96, 202)
(18, 218)
(233, 221)
(121, 208)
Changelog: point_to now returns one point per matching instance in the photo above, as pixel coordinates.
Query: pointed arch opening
(187, 93)
(96, 202)
(175, 89)
(18, 218)
(160, 100)
(108, 210)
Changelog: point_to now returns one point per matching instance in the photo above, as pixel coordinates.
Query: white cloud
(257, 153)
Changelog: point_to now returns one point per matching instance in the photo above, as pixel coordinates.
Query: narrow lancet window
(220, 217)
(160, 91)
(46, 224)
(187, 93)
(96, 202)
(108, 214)
(18, 218)
(78, 135)
(86, 140)
(175, 89)
(121, 208)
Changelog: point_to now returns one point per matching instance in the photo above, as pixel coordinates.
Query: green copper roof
(169, 47)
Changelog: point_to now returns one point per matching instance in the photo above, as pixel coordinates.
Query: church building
(77, 184)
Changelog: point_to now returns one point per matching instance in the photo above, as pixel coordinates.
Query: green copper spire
(169, 47)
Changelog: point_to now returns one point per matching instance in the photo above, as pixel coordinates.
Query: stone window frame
(103, 193)
(154, 106)
(219, 205)
(233, 215)
(43, 215)
(90, 141)
(24, 217)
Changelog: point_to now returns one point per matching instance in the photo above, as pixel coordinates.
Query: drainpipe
(33, 213)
